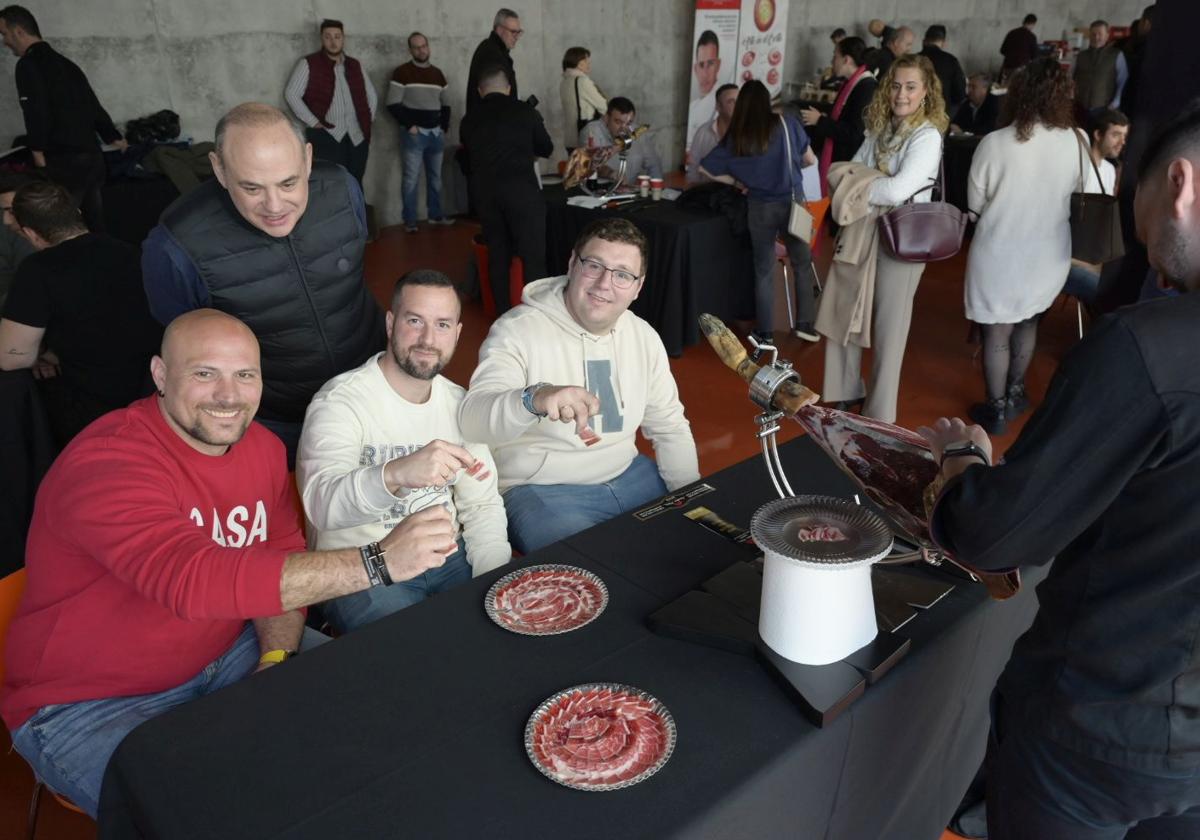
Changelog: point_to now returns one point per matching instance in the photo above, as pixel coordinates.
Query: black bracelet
(375, 564)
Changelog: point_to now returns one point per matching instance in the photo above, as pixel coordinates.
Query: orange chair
(819, 210)
(11, 587)
(516, 277)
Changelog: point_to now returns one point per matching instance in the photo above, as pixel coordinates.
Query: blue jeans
(540, 514)
(68, 745)
(350, 612)
(416, 148)
(1082, 283)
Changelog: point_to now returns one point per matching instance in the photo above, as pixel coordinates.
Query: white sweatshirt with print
(357, 423)
(627, 369)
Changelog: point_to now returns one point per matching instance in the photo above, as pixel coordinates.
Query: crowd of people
(168, 518)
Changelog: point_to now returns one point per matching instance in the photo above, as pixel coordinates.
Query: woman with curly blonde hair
(870, 304)
(1020, 186)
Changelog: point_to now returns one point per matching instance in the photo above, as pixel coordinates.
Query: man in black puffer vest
(276, 241)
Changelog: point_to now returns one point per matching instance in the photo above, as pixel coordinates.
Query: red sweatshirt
(145, 559)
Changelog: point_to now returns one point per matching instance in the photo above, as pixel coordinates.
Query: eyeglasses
(517, 32)
(594, 270)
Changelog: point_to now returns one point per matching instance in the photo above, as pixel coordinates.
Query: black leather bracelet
(969, 448)
(375, 564)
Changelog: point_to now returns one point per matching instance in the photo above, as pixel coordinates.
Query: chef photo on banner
(713, 59)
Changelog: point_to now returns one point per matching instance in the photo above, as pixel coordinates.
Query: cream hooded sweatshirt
(627, 370)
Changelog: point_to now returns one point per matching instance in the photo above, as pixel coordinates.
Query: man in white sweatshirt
(573, 353)
(382, 441)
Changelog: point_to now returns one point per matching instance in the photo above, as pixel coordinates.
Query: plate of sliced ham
(600, 736)
(546, 600)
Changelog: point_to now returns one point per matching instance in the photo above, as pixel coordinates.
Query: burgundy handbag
(926, 232)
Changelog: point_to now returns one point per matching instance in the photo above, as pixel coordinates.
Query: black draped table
(413, 726)
(697, 264)
(959, 153)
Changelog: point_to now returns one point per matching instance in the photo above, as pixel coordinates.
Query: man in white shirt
(711, 133)
(382, 441)
(573, 355)
(330, 93)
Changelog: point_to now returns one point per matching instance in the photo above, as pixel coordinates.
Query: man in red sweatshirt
(165, 561)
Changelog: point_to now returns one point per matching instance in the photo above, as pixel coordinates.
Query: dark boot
(990, 415)
(1017, 398)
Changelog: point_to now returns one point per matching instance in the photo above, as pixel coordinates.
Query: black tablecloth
(960, 151)
(696, 263)
(28, 448)
(413, 726)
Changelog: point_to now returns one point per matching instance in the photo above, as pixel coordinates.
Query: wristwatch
(962, 448)
(527, 398)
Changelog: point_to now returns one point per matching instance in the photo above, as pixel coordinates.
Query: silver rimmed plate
(600, 736)
(546, 600)
(821, 531)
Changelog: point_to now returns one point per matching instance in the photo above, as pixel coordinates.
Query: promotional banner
(714, 58)
(761, 41)
(734, 41)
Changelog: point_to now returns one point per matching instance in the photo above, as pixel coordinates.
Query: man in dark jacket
(495, 51)
(504, 137)
(62, 114)
(1096, 718)
(947, 67)
(277, 241)
(978, 114)
(1020, 47)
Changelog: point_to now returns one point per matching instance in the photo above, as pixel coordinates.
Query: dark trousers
(1038, 790)
(82, 173)
(514, 223)
(768, 221)
(354, 158)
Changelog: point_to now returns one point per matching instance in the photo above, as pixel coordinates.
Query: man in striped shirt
(330, 93)
(419, 100)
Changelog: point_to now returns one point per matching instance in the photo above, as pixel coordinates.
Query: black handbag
(925, 232)
(1095, 220)
(580, 122)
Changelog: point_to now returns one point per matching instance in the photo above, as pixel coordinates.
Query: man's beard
(1177, 255)
(198, 432)
(408, 365)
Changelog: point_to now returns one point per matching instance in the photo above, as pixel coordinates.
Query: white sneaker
(806, 332)
(444, 220)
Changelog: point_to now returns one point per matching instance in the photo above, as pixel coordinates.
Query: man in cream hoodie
(572, 354)
(382, 441)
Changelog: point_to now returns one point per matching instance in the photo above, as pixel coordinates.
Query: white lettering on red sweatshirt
(627, 369)
(145, 558)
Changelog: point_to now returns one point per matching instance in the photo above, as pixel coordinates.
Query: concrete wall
(200, 57)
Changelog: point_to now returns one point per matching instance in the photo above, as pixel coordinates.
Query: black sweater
(62, 113)
(1104, 479)
(848, 130)
(503, 137)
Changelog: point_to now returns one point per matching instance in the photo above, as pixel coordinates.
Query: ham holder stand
(811, 608)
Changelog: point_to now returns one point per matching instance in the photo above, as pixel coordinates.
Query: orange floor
(941, 377)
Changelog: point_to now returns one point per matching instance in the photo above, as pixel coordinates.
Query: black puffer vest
(303, 295)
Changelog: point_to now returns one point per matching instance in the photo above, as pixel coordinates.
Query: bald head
(900, 41)
(209, 379)
(262, 160)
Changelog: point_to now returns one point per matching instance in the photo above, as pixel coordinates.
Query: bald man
(165, 561)
(276, 240)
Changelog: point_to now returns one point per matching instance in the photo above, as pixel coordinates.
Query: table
(959, 152)
(413, 725)
(696, 265)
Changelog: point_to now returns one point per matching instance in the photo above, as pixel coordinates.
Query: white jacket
(914, 167)
(357, 423)
(591, 103)
(627, 369)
